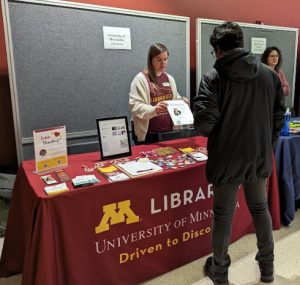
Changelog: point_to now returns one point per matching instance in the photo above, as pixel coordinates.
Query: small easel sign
(50, 149)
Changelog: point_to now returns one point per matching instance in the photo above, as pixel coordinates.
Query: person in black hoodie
(240, 108)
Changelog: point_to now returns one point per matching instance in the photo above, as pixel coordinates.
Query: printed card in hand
(180, 112)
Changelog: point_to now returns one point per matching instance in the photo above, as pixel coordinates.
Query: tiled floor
(244, 270)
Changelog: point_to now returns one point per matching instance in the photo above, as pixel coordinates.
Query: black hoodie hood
(238, 65)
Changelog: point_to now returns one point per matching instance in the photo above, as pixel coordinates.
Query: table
(287, 155)
(115, 233)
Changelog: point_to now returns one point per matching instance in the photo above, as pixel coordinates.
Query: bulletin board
(286, 39)
(61, 74)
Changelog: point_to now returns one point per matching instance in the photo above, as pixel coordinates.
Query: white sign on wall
(258, 45)
(116, 38)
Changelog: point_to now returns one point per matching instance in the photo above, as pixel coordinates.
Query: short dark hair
(227, 36)
(154, 50)
(266, 53)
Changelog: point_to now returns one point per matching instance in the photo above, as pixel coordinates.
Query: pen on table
(144, 170)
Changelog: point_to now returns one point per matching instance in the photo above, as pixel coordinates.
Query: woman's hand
(186, 100)
(161, 107)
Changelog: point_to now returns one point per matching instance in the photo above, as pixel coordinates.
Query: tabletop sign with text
(50, 148)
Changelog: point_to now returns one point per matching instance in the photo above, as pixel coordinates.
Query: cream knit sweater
(139, 103)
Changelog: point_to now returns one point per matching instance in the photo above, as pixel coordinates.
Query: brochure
(112, 173)
(84, 180)
(180, 112)
(186, 149)
(56, 189)
(48, 179)
(62, 175)
(197, 155)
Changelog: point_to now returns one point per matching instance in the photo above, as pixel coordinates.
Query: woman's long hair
(154, 51)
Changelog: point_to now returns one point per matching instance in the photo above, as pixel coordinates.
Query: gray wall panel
(285, 39)
(63, 74)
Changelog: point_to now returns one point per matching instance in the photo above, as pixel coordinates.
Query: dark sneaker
(266, 271)
(216, 277)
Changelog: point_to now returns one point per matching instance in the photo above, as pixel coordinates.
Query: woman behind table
(149, 92)
(273, 58)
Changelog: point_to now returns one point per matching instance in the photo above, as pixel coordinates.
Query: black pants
(224, 207)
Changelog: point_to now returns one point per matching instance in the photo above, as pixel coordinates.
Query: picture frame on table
(113, 137)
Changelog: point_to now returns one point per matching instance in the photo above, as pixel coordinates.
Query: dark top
(240, 107)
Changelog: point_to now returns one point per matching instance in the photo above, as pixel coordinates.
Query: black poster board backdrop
(286, 39)
(60, 73)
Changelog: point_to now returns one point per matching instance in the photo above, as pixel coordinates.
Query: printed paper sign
(116, 38)
(50, 148)
(258, 45)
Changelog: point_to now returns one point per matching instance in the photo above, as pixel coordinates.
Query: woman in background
(273, 58)
(148, 98)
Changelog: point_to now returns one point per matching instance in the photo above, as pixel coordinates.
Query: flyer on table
(50, 148)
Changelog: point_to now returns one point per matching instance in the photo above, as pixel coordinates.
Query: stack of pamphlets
(295, 127)
(84, 180)
(196, 155)
(56, 189)
(48, 179)
(112, 173)
(165, 150)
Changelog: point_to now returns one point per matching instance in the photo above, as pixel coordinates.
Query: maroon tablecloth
(114, 233)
